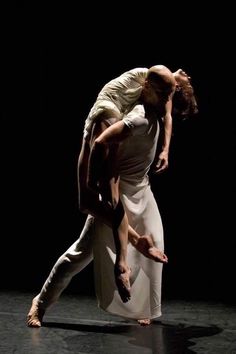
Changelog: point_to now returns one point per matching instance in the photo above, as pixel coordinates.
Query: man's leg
(70, 263)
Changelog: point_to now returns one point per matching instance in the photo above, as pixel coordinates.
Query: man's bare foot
(144, 322)
(122, 275)
(146, 246)
(35, 315)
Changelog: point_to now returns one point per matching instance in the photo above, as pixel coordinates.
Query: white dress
(134, 158)
(118, 96)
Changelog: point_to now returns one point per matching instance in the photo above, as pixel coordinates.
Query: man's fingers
(158, 163)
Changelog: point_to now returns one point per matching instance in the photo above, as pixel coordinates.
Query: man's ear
(177, 87)
(146, 83)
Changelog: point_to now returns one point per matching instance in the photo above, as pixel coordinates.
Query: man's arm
(108, 138)
(103, 136)
(116, 133)
(111, 135)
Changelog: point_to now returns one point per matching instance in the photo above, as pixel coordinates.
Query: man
(80, 253)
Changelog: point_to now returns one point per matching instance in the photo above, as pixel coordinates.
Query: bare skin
(144, 322)
(146, 246)
(35, 315)
(123, 283)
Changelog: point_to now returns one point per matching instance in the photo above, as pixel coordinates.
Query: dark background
(54, 63)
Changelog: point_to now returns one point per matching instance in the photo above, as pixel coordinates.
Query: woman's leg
(120, 225)
(102, 176)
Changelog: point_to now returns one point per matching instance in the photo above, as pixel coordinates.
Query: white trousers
(96, 241)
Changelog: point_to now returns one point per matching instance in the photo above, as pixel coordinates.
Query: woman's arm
(162, 158)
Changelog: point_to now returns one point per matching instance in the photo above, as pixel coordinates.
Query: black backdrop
(53, 67)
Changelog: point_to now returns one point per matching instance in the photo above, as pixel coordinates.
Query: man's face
(157, 94)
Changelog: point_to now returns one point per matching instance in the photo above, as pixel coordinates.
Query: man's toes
(144, 322)
(33, 322)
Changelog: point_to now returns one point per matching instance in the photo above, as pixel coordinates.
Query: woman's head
(184, 101)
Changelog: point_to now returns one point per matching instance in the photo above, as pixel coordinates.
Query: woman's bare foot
(144, 322)
(122, 275)
(35, 315)
(146, 246)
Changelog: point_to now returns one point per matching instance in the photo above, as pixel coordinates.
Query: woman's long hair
(184, 102)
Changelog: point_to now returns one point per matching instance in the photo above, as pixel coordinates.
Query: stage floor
(76, 325)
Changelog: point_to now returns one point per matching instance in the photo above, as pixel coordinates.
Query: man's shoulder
(136, 119)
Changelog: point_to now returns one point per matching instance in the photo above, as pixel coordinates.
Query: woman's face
(183, 80)
(181, 77)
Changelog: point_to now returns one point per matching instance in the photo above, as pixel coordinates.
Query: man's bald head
(161, 75)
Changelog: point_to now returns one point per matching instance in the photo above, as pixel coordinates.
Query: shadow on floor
(162, 338)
